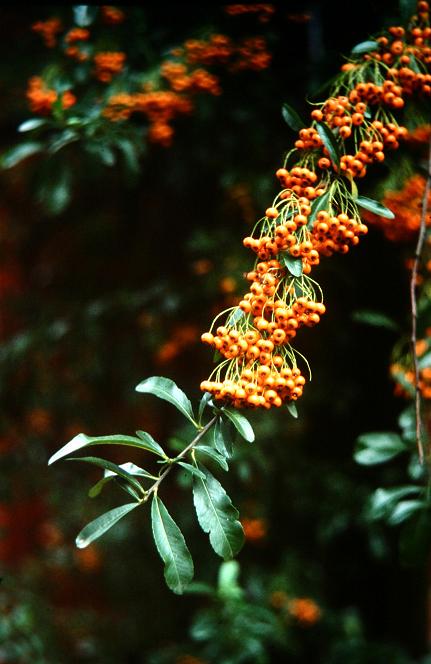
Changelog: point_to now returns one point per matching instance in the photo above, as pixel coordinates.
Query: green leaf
(365, 47)
(81, 440)
(292, 118)
(99, 526)
(375, 207)
(102, 151)
(172, 548)
(15, 155)
(228, 581)
(294, 265)
(383, 501)
(108, 476)
(425, 361)
(217, 516)
(150, 442)
(221, 439)
(376, 319)
(55, 192)
(329, 141)
(293, 410)
(378, 447)
(166, 389)
(191, 469)
(62, 139)
(241, 424)
(206, 398)
(112, 467)
(34, 123)
(84, 15)
(213, 454)
(129, 153)
(234, 317)
(319, 203)
(404, 510)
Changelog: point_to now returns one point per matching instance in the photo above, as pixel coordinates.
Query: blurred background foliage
(108, 276)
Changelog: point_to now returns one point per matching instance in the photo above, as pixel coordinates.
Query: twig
(181, 455)
(413, 280)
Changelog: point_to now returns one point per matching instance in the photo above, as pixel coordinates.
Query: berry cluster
(315, 214)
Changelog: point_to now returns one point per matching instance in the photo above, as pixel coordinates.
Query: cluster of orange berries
(186, 76)
(112, 15)
(263, 11)
(48, 30)
(108, 64)
(259, 386)
(314, 215)
(159, 106)
(250, 53)
(74, 36)
(303, 609)
(41, 98)
(406, 204)
(180, 80)
(408, 376)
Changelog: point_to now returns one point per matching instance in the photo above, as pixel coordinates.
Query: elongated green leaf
(319, 203)
(130, 154)
(166, 389)
(378, 447)
(293, 410)
(425, 361)
(191, 469)
(172, 548)
(217, 516)
(13, 156)
(404, 510)
(206, 398)
(112, 468)
(241, 424)
(365, 47)
(84, 15)
(33, 123)
(294, 265)
(108, 476)
(235, 316)
(213, 454)
(383, 501)
(329, 141)
(375, 207)
(292, 118)
(150, 442)
(221, 439)
(81, 440)
(375, 318)
(99, 526)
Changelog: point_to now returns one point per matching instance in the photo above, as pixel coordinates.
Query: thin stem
(413, 281)
(154, 488)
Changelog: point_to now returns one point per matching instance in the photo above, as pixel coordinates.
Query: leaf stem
(413, 301)
(155, 487)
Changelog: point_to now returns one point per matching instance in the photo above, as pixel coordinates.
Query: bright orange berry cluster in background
(263, 11)
(170, 92)
(315, 214)
(406, 204)
(303, 609)
(185, 76)
(41, 98)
